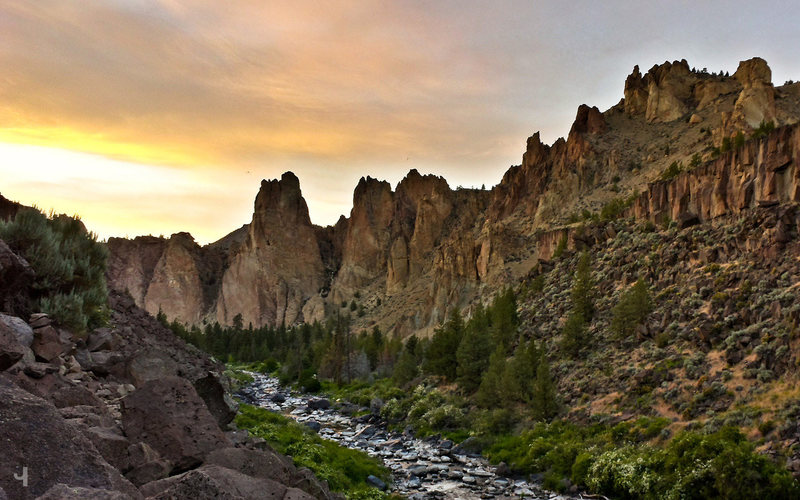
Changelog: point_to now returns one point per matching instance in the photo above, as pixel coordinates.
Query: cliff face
(278, 268)
(410, 255)
(761, 173)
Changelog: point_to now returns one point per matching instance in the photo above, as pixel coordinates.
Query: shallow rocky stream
(421, 468)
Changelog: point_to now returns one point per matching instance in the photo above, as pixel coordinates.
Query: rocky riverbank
(421, 468)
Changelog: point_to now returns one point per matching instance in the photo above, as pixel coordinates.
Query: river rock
(376, 482)
(319, 404)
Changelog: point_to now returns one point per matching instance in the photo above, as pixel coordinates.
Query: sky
(159, 116)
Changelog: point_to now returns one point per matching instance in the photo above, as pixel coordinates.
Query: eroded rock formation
(424, 248)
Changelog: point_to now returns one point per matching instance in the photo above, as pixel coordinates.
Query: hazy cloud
(339, 89)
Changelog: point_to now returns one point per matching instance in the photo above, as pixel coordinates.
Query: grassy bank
(344, 469)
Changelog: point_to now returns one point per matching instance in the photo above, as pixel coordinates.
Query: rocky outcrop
(176, 281)
(365, 246)
(132, 264)
(756, 102)
(663, 94)
(762, 173)
(278, 267)
(557, 171)
(425, 248)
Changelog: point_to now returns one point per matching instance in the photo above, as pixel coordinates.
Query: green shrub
(738, 140)
(70, 267)
(674, 169)
(763, 129)
(696, 160)
(618, 462)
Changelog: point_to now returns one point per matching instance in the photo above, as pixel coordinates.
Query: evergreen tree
(440, 357)
(504, 319)
(633, 307)
(520, 374)
(490, 393)
(473, 351)
(574, 334)
(583, 288)
(406, 368)
(545, 400)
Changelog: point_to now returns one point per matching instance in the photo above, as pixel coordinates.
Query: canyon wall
(407, 256)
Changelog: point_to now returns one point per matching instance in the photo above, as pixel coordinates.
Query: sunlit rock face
(176, 281)
(756, 102)
(278, 267)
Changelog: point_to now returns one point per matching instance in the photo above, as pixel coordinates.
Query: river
(429, 468)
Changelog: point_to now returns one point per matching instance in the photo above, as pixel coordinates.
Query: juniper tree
(473, 351)
(440, 357)
(633, 307)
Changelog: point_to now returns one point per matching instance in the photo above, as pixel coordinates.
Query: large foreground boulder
(11, 350)
(34, 435)
(64, 492)
(168, 415)
(19, 328)
(219, 403)
(215, 482)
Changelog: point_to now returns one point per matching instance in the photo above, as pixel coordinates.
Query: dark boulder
(257, 463)
(215, 482)
(151, 365)
(102, 339)
(47, 344)
(144, 464)
(319, 404)
(64, 492)
(34, 435)
(168, 415)
(219, 403)
(11, 350)
(19, 328)
(111, 444)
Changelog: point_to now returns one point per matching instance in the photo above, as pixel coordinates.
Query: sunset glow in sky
(157, 116)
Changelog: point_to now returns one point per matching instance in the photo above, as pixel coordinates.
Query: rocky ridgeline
(125, 412)
(409, 255)
(427, 468)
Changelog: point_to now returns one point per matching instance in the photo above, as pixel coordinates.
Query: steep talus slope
(720, 345)
(127, 411)
(404, 258)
